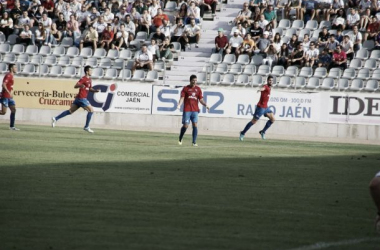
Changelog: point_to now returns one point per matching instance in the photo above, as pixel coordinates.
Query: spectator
(283, 55)
(191, 34)
(157, 20)
(271, 56)
(140, 7)
(297, 57)
(353, 19)
(121, 38)
(25, 36)
(353, 3)
(311, 55)
(177, 31)
(72, 29)
(16, 12)
(90, 39)
(122, 14)
(284, 5)
(234, 43)
(348, 47)
(6, 25)
(293, 43)
(56, 34)
(92, 17)
(339, 59)
(68, 11)
(324, 59)
(130, 27)
(306, 42)
(145, 21)
(323, 8)
(247, 47)
(59, 6)
(208, 5)
(256, 31)
(108, 16)
(116, 24)
(263, 43)
(38, 15)
(332, 44)
(25, 20)
(159, 36)
(365, 5)
(255, 15)
(244, 15)
(372, 30)
(135, 17)
(336, 6)
(24, 4)
(143, 59)
(49, 8)
(107, 38)
(40, 35)
(339, 22)
(193, 12)
(102, 8)
(339, 35)
(297, 6)
(365, 19)
(165, 28)
(356, 38)
(271, 16)
(115, 7)
(263, 22)
(100, 25)
(308, 9)
(221, 42)
(81, 17)
(182, 12)
(61, 24)
(153, 8)
(239, 28)
(377, 42)
(164, 51)
(277, 42)
(46, 22)
(153, 48)
(323, 38)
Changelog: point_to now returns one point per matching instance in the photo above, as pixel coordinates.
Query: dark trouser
(203, 8)
(26, 41)
(343, 66)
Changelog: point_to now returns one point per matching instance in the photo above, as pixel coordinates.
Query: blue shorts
(189, 116)
(81, 102)
(261, 111)
(7, 102)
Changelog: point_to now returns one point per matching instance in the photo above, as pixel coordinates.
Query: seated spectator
(297, 6)
(25, 20)
(353, 19)
(208, 5)
(271, 57)
(277, 42)
(159, 36)
(165, 50)
(372, 29)
(377, 42)
(256, 12)
(24, 5)
(256, 31)
(234, 43)
(192, 34)
(38, 15)
(323, 38)
(353, 3)
(293, 43)
(6, 25)
(324, 59)
(322, 8)
(297, 57)
(145, 21)
(121, 38)
(40, 37)
(16, 12)
(285, 6)
(356, 38)
(115, 7)
(240, 28)
(263, 43)
(348, 47)
(283, 55)
(130, 27)
(193, 12)
(49, 8)
(108, 15)
(182, 12)
(72, 29)
(143, 59)
(55, 34)
(92, 17)
(339, 59)
(90, 39)
(153, 8)
(339, 21)
(25, 36)
(61, 24)
(157, 20)
(177, 31)
(332, 44)
(59, 6)
(365, 19)
(306, 42)
(122, 14)
(335, 9)
(271, 16)
(244, 15)
(46, 22)
(165, 28)
(263, 22)
(221, 42)
(153, 48)
(140, 6)
(365, 8)
(135, 17)
(102, 8)
(247, 47)
(339, 36)
(311, 55)
(100, 25)
(107, 38)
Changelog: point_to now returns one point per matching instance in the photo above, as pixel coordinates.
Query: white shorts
(378, 174)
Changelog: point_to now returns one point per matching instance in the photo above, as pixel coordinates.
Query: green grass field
(63, 188)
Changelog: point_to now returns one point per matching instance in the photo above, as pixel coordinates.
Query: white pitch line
(324, 245)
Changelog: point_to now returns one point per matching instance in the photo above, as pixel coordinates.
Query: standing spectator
(372, 30)
(208, 5)
(121, 38)
(221, 42)
(49, 8)
(283, 55)
(143, 59)
(312, 55)
(332, 44)
(157, 20)
(90, 39)
(356, 38)
(353, 19)
(192, 34)
(271, 16)
(324, 59)
(25, 36)
(193, 12)
(348, 47)
(177, 31)
(6, 25)
(244, 15)
(247, 47)
(107, 38)
(339, 59)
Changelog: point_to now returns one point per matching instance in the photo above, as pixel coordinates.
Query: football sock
(63, 114)
(247, 127)
(195, 134)
(183, 131)
(13, 117)
(269, 123)
(89, 115)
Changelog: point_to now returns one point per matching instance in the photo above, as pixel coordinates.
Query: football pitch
(63, 188)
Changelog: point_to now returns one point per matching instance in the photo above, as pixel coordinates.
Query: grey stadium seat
(228, 79)
(86, 52)
(343, 84)
(9, 58)
(100, 53)
(278, 70)
(357, 85)
(59, 51)
(113, 54)
(335, 73)
(64, 61)
(3, 67)
(31, 50)
(70, 71)
(29, 70)
(72, 52)
(201, 78)
(291, 71)
(18, 49)
(221, 68)
(349, 74)
(124, 74)
(363, 74)
(313, 83)
(105, 63)
(236, 69)
(243, 80)
(138, 75)
(328, 83)
(306, 72)
(97, 73)
(215, 78)
(126, 54)
(320, 72)
(285, 82)
(216, 58)
(56, 71)
(371, 86)
(249, 69)
(45, 50)
(229, 59)
(264, 70)
(151, 76)
(111, 74)
(23, 59)
(243, 59)
(257, 80)
(300, 82)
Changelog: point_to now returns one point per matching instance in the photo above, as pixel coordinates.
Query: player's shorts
(378, 174)
(81, 102)
(7, 102)
(189, 116)
(261, 111)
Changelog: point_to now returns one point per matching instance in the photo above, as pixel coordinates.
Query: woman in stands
(293, 43)
(6, 25)
(339, 22)
(283, 55)
(306, 42)
(56, 34)
(277, 42)
(40, 36)
(271, 58)
(182, 12)
(336, 6)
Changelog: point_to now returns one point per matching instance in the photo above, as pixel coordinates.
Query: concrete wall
(219, 126)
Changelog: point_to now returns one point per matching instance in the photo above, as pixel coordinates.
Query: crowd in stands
(346, 26)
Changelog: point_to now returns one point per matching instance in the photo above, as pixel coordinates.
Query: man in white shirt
(100, 25)
(352, 19)
(177, 31)
(92, 17)
(348, 47)
(130, 27)
(108, 16)
(82, 15)
(165, 28)
(234, 43)
(311, 55)
(357, 38)
(121, 38)
(263, 22)
(46, 21)
(143, 59)
(153, 8)
(25, 20)
(192, 34)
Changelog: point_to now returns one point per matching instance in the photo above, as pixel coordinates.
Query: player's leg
(74, 107)
(185, 125)
(194, 120)
(374, 188)
(256, 116)
(269, 114)
(90, 112)
(12, 107)
(4, 106)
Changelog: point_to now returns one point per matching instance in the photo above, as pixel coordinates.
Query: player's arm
(204, 104)
(79, 85)
(94, 90)
(261, 89)
(180, 102)
(6, 88)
